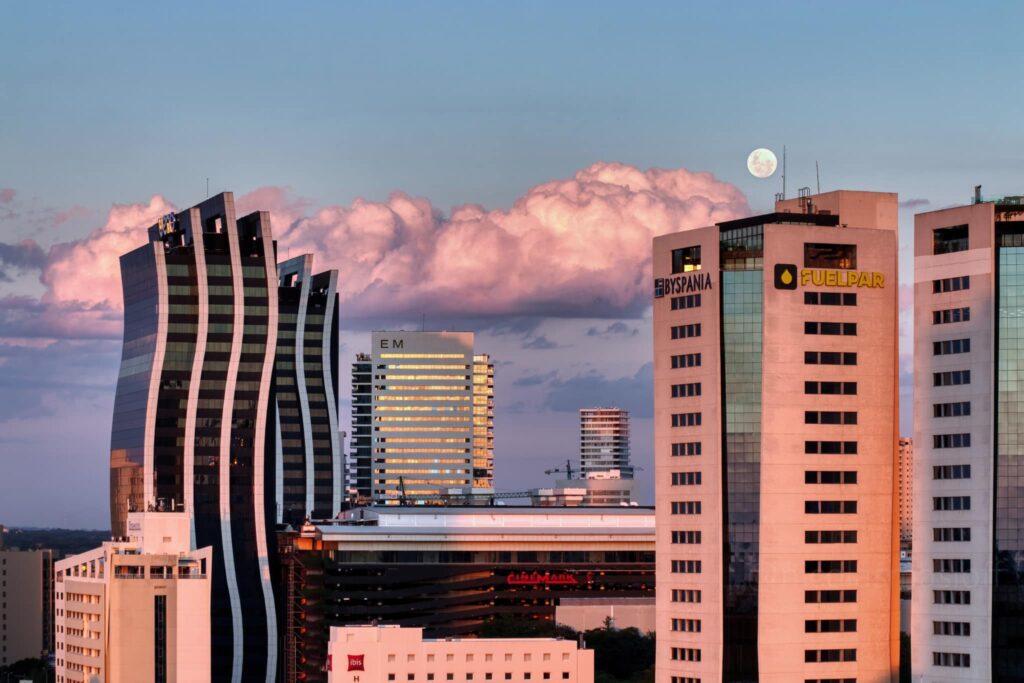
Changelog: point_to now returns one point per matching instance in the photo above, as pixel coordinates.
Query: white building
(389, 654)
(604, 441)
(135, 610)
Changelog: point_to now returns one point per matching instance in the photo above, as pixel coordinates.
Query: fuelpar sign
(681, 284)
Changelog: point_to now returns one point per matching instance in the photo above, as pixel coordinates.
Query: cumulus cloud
(24, 255)
(578, 247)
(594, 389)
(616, 329)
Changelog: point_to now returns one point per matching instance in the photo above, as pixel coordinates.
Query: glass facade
(742, 313)
(1008, 591)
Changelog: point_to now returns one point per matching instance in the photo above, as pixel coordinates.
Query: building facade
(906, 485)
(775, 376)
(26, 604)
(304, 414)
(604, 441)
(449, 570)
(385, 654)
(968, 578)
(190, 412)
(136, 610)
(423, 419)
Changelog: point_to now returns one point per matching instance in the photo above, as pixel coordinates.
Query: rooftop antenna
(817, 174)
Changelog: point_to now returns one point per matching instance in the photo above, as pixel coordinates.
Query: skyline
(459, 118)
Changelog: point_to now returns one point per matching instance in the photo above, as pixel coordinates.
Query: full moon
(762, 163)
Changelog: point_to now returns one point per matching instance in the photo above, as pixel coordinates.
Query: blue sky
(106, 104)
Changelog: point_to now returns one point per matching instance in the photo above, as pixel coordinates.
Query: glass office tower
(190, 414)
(775, 412)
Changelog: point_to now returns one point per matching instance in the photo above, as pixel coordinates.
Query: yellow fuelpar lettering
(841, 278)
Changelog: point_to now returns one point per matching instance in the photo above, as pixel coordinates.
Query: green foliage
(35, 670)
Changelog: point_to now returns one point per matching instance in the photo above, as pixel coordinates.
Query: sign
(546, 579)
(841, 278)
(681, 284)
(356, 662)
(392, 343)
(785, 276)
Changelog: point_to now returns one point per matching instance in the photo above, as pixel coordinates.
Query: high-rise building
(190, 413)
(906, 488)
(775, 377)
(423, 419)
(968, 578)
(604, 441)
(26, 604)
(304, 413)
(138, 609)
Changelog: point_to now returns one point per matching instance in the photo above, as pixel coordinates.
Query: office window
(830, 625)
(687, 390)
(686, 478)
(951, 315)
(686, 259)
(949, 240)
(831, 388)
(951, 346)
(686, 419)
(686, 537)
(687, 448)
(686, 360)
(955, 409)
(830, 328)
(830, 566)
(830, 358)
(680, 303)
(951, 472)
(830, 256)
(686, 625)
(951, 503)
(830, 298)
(837, 536)
(830, 447)
(951, 284)
(830, 476)
(951, 534)
(960, 660)
(686, 595)
(831, 655)
(951, 378)
(685, 654)
(951, 440)
(686, 331)
(830, 417)
(686, 507)
(951, 566)
(830, 507)
(950, 597)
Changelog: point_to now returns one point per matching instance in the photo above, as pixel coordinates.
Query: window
(830, 298)
(951, 284)
(951, 503)
(830, 447)
(951, 534)
(951, 346)
(686, 419)
(951, 378)
(687, 301)
(830, 566)
(686, 625)
(829, 417)
(949, 240)
(830, 625)
(829, 358)
(686, 259)
(951, 440)
(951, 472)
(831, 655)
(686, 390)
(686, 360)
(830, 256)
(831, 388)
(958, 409)
(688, 448)
(830, 507)
(830, 536)
(686, 595)
(686, 537)
(951, 566)
(947, 597)
(830, 596)
(951, 315)
(686, 507)
(685, 654)
(686, 478)
(686, 331)
(830, 477)
(957, 659)
(827, 328)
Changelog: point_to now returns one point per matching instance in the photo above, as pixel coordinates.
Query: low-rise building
(137, 609)
(387, 654)
(26, 604)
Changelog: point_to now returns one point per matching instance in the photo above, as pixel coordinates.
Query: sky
(499, 167)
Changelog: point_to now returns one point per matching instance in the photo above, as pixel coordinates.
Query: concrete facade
(775, 375)
(906, 487)
(26, 604)
(135, 610)
(388, 654)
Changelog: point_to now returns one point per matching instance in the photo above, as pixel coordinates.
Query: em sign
(786, 277)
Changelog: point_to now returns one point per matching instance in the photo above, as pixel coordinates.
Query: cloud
(534, 380)
(615, 329)
(22, 256)
(6, 195)
(914, 203)
(540, 343)
(594, 389)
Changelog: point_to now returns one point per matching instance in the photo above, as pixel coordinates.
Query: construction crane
(568, 471)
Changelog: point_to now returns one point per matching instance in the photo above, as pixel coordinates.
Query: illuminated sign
(546, 579)
(681, 284)
(356, 662)
(166, 223)
(841, 278)
(785, 276)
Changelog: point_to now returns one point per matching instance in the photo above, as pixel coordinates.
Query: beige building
(135, 610)
(26, 604)
(906, 484)
(389, 654)
(775, 376)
